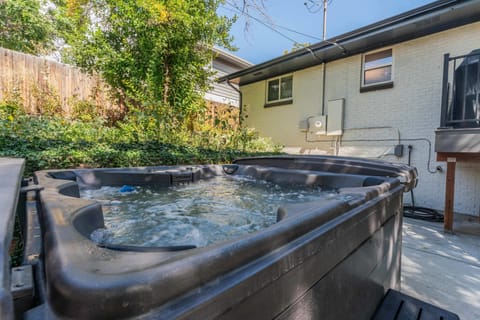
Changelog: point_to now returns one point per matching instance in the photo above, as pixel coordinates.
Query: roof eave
(242, 63)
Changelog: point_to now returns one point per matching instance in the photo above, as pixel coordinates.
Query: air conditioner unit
(317, 125)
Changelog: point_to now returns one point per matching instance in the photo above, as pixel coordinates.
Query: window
(279, 90)
(378, 69)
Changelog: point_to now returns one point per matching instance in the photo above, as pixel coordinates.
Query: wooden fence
(46, 86)
(41, 83)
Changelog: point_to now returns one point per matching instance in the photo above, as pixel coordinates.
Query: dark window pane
(378, 75)
(273, 90)
(286, 88)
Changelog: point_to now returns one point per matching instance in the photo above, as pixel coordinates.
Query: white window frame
(392, 64)
(279, 90)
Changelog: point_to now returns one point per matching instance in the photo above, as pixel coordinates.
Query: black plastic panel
(399, 306)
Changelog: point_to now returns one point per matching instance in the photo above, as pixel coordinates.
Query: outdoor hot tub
(328, 258)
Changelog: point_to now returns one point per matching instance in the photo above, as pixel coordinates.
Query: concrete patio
(443, 268)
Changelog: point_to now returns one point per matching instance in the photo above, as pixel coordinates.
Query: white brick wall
(411, 108)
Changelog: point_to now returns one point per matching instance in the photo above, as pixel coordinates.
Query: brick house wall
(373, 121)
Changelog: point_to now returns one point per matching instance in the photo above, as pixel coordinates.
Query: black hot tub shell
(331, 259)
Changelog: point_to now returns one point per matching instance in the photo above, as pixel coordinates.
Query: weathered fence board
(29, 77)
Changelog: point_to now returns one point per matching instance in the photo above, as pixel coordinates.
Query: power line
(298, 32)
(310, 4)
(237, 10)
(259, 21)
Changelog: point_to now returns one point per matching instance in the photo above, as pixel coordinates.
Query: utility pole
(324, 20)
(311, 5)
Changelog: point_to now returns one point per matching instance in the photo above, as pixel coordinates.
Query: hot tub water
(197, 214)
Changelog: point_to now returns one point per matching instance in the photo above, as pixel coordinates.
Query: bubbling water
(197, 214)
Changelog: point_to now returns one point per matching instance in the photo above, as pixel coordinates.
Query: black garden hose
(420, 213)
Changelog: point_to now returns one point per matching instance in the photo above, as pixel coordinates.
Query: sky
(302, 23)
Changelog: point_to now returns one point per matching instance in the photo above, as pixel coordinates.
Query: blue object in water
(127, 188)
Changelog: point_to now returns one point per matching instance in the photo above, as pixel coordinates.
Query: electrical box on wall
(335, 117)
(317, 125)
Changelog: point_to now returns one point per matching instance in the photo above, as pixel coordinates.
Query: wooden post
(449, 194)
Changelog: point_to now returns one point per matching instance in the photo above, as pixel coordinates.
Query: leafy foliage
(153, 53)
(28, 26)
(51, 142)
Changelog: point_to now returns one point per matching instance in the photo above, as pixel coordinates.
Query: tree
(28, 26)
(154, 53)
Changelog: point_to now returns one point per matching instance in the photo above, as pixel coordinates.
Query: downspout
(324, 38)
(324, 69)
(240, 101)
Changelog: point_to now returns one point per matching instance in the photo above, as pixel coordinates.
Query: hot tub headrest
(63, 175)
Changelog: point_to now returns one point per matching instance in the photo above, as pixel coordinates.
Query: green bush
(48, 142)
